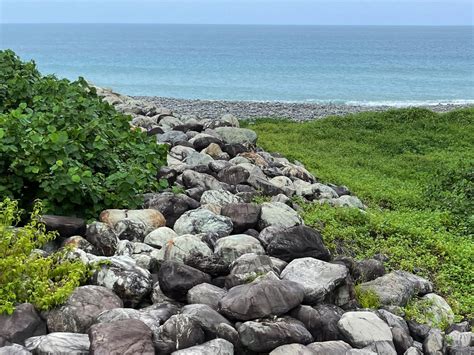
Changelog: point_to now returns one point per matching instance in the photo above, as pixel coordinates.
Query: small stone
(279, 215)
(231, 247)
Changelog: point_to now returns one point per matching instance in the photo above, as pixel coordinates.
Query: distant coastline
(292, 110)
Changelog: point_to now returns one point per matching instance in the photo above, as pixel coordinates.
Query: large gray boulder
(203, 221)
(317, 277)
(397, 287)
(231, 247)
(436, 309)
(212, 347)
(23, 323)
(125, 337)
(261, 298)
(204, 181)
(279, 215)
(122, 275)
(233, 175)
(160, 237)
(267, 335)
(186, 246)
(82, 308)
(59, 343)
(234, 135)
(364, 328)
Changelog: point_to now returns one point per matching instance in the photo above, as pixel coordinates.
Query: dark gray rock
(368, 270)
(267, 335)
(401, 339)
(234, 149)
(127, 337)
(213, 324)
(171, 205)
(81, 309)
(418, 331)
(176, 279)
(261, 298)
(193, 179)
(206, 294)
(103, 238)
(243, 215)
(65, 226)
(321, 321)
(263, 185)
(297, 242)
(202, 141)
(23, 323)
(171, 137)
(179, 332)
(233, 175)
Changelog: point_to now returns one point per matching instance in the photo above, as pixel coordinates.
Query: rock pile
(208, 271)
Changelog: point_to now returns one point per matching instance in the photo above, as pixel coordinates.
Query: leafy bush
(25, 275)
(61, 143)
(367, 298)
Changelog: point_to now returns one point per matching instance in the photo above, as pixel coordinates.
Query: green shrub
(61, 143)
(25, 275)
(367, 298)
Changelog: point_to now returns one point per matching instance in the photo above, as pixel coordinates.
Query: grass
(414, 169)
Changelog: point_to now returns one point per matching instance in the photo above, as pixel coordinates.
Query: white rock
(279, 215)
(317, 277)
(231, 247)
(364, 328)
(160, 236)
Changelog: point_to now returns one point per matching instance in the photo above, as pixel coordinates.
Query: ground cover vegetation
(414, 169)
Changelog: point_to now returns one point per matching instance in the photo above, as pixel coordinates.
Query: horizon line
(233, 24)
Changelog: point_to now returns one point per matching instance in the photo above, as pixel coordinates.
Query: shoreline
(279, 109)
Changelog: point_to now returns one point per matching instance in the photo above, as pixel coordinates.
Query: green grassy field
(414, 169)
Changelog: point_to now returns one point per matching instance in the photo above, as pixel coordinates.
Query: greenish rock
(234, 135)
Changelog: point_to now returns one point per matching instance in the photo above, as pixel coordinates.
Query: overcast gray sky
(314, 12)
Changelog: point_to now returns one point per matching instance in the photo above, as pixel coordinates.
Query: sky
(289, 12)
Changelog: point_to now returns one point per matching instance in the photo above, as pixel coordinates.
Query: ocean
(341, 64)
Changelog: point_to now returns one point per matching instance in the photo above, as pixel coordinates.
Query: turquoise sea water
(368, 64)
